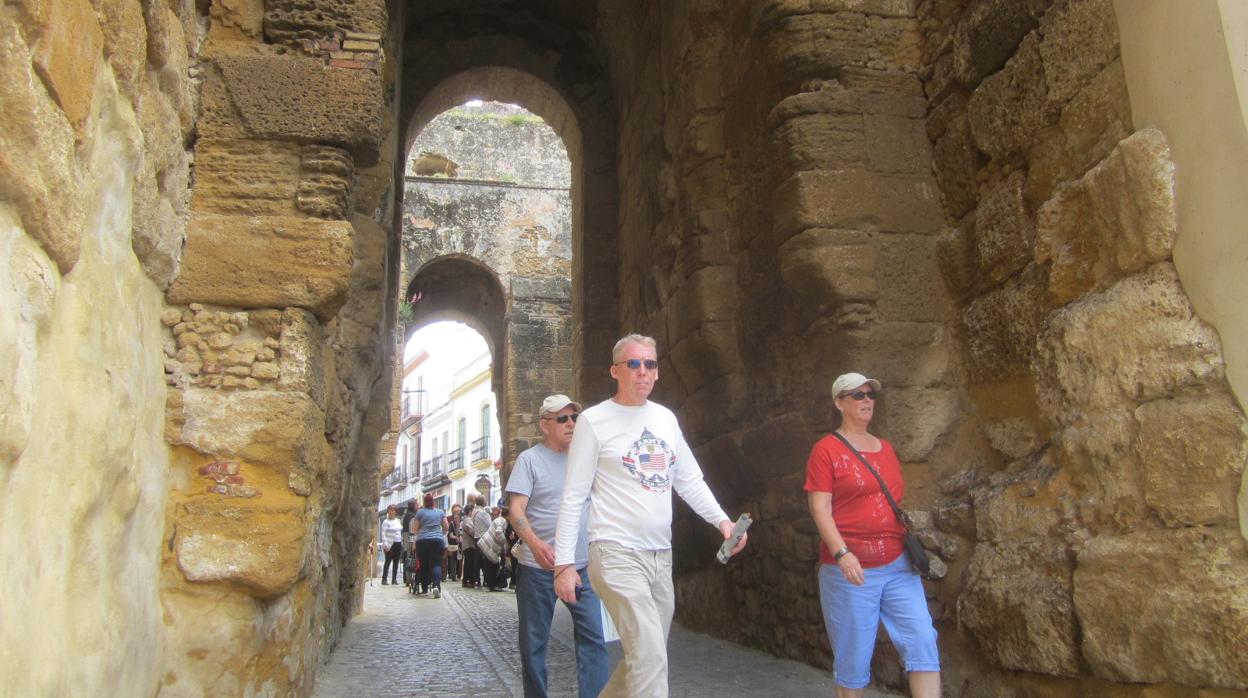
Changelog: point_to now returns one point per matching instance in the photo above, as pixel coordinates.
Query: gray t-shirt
(539, 475)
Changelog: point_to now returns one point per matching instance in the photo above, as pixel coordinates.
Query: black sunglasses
(634, 364)
(860, 395)
(563, 418)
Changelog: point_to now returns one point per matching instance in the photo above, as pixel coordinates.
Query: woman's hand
(852, 569)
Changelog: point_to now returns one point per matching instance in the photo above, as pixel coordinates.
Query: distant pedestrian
(493, 548)
(481, 522)
(427, 526)
(535, 488)
(453, 560)
(468, 545)
(392, 543)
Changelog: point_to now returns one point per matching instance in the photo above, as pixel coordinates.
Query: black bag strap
(897, 511)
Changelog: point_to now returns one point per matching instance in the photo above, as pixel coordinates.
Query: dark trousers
(393, 553)
(430, 554)
(472, 576)
(494, 573)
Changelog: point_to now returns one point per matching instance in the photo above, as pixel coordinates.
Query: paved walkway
(464, 644)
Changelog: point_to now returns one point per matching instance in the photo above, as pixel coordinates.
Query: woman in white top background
(392, 543)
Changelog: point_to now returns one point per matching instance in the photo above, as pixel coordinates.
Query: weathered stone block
(259, 548)
(1002, 326)
(824, 269)
(1080, 38)
(706, 354)
(302, 355)
(246, 177)
(708, 295)
(1117, 219)
(812, 45)
(1011, 107)
(1004, 230)
(265, 262)
(1030, 505)
(125, 41)
(161, 186)
(1188, 624)
(822, 141)
(1018, 603)
(898, 354)
(956, 162)
(1192, 451)
(897, 144)
(987, 35)
(325, 178)
(958, 260)
(857, 199)
(38, 168)
(290, 21)
(911, 287)
(1137, 341)
(292, 98)
(1097, 449)
(68, 60)
(715, 408)
(777, 447)
(278, 430)
(917, 418)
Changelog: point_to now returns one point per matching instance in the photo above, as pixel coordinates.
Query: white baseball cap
(849, 381)
(556, 402)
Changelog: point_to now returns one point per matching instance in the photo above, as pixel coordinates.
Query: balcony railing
(455, 459)
(434, 469)
(481, 448)
(413, 408)
(395, 477)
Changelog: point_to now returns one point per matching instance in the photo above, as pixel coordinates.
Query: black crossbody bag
(918, 556)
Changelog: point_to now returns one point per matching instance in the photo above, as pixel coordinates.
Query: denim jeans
(535, 601)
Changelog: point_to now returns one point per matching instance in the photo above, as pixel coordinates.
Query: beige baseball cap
(849, 381)
(556, 402)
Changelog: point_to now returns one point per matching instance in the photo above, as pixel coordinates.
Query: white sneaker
(437, 592)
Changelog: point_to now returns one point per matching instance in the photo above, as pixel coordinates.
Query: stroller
(411, 570)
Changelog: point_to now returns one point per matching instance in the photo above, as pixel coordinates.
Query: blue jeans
(535, 601)
(893, 594)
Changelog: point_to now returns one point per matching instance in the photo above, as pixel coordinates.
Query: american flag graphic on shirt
(649, 461)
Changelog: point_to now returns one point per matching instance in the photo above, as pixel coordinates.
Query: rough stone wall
(778, 230)
(494, 142)
(278, 352)
(1102, 448)
(521, 234)
(93, 193)
(954, 200)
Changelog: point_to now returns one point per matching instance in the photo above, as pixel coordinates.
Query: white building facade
(449, 444)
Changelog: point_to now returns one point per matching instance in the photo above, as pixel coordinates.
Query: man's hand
(566, 582)
(543, 553)
(725, 527)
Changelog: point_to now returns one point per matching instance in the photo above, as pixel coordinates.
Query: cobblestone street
(464, 644)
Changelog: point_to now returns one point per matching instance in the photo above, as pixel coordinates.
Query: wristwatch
(840, 553)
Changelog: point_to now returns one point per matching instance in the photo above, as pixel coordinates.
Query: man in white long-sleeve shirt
(626, 456)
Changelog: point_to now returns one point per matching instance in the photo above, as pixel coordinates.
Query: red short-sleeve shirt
(861, 512)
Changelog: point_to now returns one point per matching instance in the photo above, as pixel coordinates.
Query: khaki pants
(636, 589)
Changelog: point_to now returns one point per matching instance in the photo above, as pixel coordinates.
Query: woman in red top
(865, 576)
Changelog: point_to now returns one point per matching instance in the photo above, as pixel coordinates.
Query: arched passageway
(962, 199)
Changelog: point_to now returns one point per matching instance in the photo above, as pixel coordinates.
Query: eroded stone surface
(234, 261)
(1187, 624)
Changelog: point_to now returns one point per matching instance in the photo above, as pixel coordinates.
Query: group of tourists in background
(590, 524)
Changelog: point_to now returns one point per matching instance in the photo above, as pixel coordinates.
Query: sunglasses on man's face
(563, 418)
(860, 395)
(634, 364)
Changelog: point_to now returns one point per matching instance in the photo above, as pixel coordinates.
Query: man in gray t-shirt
(536, 488)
